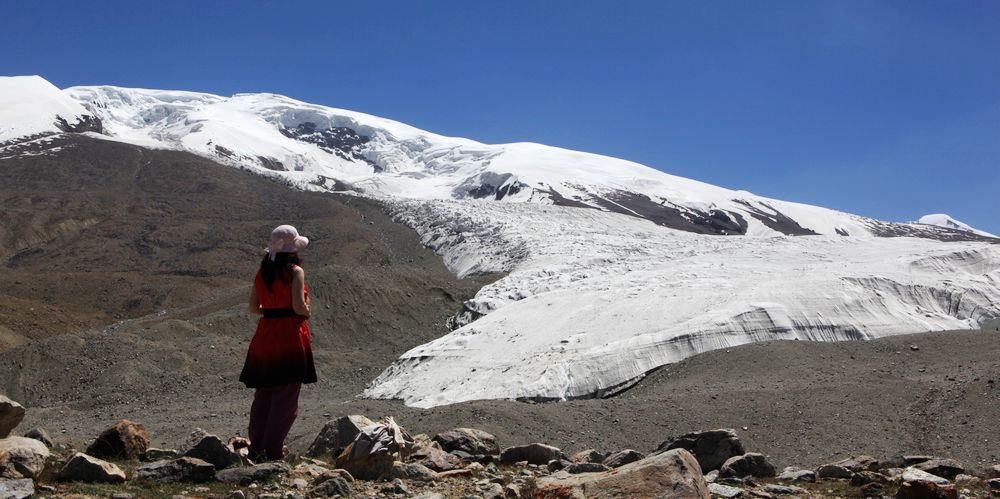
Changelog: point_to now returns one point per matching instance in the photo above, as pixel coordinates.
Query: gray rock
(469, 440)
(749, 464)
(11, 414)
(674, 473)
(946, 468)
(124, 439)
(917, 484)
(19, 488)
(248, 474)
(622, 458)
(396, 487)
(22, 457)
(84, 468)
(213, 450)
(337, 434)
(184, 469)
(576, 468)
(494, 491)
(724, 491)
(782, 490)
(411, 471)
(154, 454)
(587, 456)
(558, 464)
(711, 448)
(711, 476)
(793, 474)
(333, 487)
(847, 467)
(862, 478)
(994, 484)
(40, 435)
(532, 453)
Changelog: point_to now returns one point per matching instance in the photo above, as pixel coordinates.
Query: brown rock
(84, 468)
(411, 471)
(749, 464)
(22, 457)
(846, 468)
(124, 439)
(432, 456)
(711, 448)
(670, 474)
(11, 414)
(587, 456)
(865, 477)
(469, 440)
(337, 434)
(532, 453)
(945, 468)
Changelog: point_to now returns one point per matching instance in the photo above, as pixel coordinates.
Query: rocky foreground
(463, 462)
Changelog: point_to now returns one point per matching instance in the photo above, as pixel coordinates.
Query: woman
(280, 358)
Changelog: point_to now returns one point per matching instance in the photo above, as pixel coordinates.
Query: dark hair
(281, 267)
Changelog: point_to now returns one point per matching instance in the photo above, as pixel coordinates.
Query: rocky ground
(122, 287)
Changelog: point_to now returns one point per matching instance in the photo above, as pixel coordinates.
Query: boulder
(846, 468)
(918, 484)
(793, 474)
(865, 477)
(22, 457)
(11, 414)
(432, 456)
(84, 468)
(577, 468)
(784, 490)
(337, 434)
(710, 448)
(749, 464)
(532, 453)
(587, 456)
(963, 481)
(622, 458)
(19, 488)
(154, 454)
(945, 468)
(212, 449)
(367, 467)
(468, 440)
(994, 471)
(124, 439)
(673, 473)
(904, 461)
(331, 474)
(557, 464)
(994, 484)
(40, 435)
(724, 491)
(184, 469)
(411, 471)
(245, 475)
(334, 487)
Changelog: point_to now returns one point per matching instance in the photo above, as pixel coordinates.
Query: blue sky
(885, 109)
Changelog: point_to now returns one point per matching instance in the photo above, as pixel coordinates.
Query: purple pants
(273, 411)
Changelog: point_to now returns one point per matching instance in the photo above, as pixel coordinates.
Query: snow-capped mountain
(944, 220)
(613, 268)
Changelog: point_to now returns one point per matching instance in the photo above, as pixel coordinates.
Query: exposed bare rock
(212, 449)
(724, 491)
(411, 471)
(577, 468)
(334, 487)
(434, 457)
(245, 475)
(587, 456)
(917, 484)
(337, 434)
(154, 454)
(124, 439)
(11, 414)
(945, 468)
(711, 448)
(40, 435)
(84, 468)
(22, 457)
(184, 469)
(533, 453)
(622, 458)
(793, 474)
(749, 464)
(469, 440)
(846, 468)
(674, 473)
(19, 488)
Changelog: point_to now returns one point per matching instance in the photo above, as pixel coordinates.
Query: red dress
(281, 350)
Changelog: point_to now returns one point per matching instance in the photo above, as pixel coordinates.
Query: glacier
(610, 269)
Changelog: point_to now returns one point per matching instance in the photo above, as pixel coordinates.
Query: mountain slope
(944, 220)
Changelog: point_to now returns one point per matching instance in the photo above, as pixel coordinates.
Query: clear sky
(888, 109)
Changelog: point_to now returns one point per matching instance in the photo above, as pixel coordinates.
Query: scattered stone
(248, 474)
(22, 457)
(994, 471)
(212, 449)
(434, 457)
(367, 467)
(512, 491)
(122, 495)
(994, 484)
(330, 474)
(622, 458)
(918, 484)
(711, 448)
(749, 464)
(396, 487)
(784, 490)
(468, 440)
(332, 488)
(411, 471)
(964, 481)
(793, 474)
(154, 454)
(493, 491)
(455, 473)
(724, 491)
(865, 477)
(337, 434)
(945, 468)
(676, 471)
(309, 470)
(40, 435)
(557, 464)
(872, 490)
(577, 468)
(237, 494)
(124, 439)
(84, 468)
(533, 453)
(587, 456)
(184, 469)
(11, 414)
(901, 461)
(19, 488)
(711, 476)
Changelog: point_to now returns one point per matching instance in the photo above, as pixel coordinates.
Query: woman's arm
(254, 302)
(299, 302)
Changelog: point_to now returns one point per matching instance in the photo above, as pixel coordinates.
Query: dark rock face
(11, 414)
(889, 229)
(213, 450)
(622, 458)
(674, 473)
(469, 440)
(945, 468)
(40, 435)
(249, 474)
(342, 141)
(776, 220)
(432, 456)
(411, 471)
(532, 453)
(750, 464)
(85, 123)
(20, 488)
(633, 204)
(710, 448)
(184, 469)
(577, 468)
(124, 439)
(337, 434)
(334, 487)
(84, 468)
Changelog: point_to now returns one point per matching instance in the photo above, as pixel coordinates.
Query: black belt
(275, 313)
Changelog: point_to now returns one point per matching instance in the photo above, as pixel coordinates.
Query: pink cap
(285, 239)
